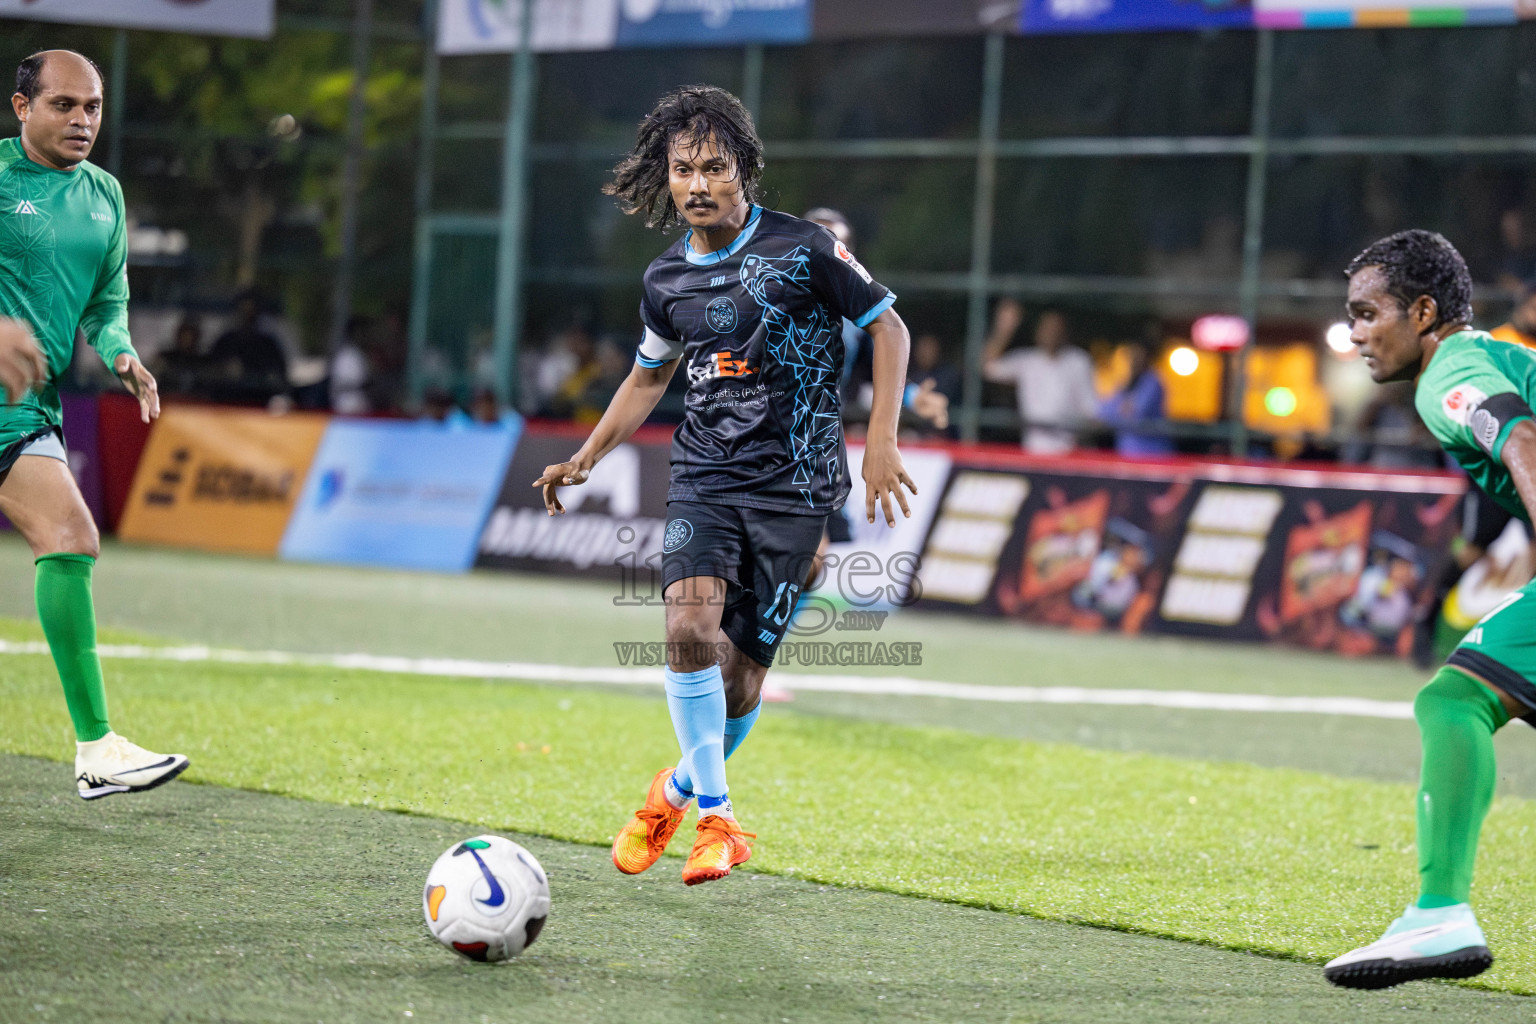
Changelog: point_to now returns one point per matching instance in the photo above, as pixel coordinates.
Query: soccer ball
(486, 898)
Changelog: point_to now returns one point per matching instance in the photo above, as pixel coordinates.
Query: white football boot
(113, 765)
(1445, 942)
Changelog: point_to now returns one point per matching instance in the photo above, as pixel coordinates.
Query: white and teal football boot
(1445, 942)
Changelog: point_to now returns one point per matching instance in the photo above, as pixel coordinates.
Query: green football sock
(68, 616)
(1457, 718)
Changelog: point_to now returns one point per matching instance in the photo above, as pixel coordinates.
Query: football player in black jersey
(752, 302)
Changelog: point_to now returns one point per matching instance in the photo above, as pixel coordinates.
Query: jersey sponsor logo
(716, 282)
(719, 364)
(104, 217)
(679, 532)
(847, 257)
(721, 315)
(1460, 402)
(25, 207)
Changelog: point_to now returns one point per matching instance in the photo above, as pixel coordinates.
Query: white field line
(900, 686)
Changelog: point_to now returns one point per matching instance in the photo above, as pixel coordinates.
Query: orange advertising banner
(221, 479)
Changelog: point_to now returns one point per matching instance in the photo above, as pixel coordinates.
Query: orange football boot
(644, 837)
(721, 846)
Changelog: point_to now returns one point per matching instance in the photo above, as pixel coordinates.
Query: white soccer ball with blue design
(486, 898)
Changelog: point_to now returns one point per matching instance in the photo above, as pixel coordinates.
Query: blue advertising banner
(1038, 16)
(713, 22)
(399, 494)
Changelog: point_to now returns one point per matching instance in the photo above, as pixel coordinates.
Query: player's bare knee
(78, 536)
(86, 542)
(690, 643)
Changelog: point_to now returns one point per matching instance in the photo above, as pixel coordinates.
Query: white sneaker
(113, 765)
(1445, 942)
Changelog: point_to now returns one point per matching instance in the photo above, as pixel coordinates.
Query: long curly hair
(689, 116)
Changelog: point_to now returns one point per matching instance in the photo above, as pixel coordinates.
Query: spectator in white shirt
(1053, 379)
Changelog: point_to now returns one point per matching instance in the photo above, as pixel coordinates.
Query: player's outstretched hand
(561, 474)
(22, 366)
(931, 405)
(140, 384)
(884, 476)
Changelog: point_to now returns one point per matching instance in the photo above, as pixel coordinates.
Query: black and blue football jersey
(759, 328)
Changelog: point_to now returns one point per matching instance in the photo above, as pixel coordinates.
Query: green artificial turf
(259, 604)
(203, 904)
(1280, 861)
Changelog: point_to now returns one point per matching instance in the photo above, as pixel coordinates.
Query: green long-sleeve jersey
(63, 267)
(1471, 395)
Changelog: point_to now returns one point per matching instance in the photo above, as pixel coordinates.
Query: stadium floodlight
(1337, 338)
(1184, 361)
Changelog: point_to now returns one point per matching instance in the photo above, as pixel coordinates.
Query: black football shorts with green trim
(764, 558)
(1501, 648)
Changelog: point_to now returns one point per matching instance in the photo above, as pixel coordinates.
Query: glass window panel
(467, 176)
(1321, 211)
(939, 313)
(906, 214)
(473, 88)
(910, 88)
(1405, 82)
(1177, 218)
(460, 313)
(575, 225)
(1170, 83)
(602, 96)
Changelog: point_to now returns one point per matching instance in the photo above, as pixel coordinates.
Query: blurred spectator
(1139, 404)
(484, 408)
(350, 369)
(1521, 328)
(928, 363)
(438, 404)
(1393, 433)
(249, 359)
(1517, 261)
(939, 384)
(180, 369)
(387, 358)
(568, 368)
(1053, 380)
(613, 366)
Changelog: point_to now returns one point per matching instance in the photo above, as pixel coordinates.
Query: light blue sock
(696, 701)
(680, 786)
(736, 729)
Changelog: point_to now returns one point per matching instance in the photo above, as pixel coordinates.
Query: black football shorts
(764, 557)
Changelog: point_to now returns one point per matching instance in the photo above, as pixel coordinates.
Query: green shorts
(1501, 648)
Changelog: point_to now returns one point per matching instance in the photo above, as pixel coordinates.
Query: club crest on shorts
(679, 532)
(721, 314)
